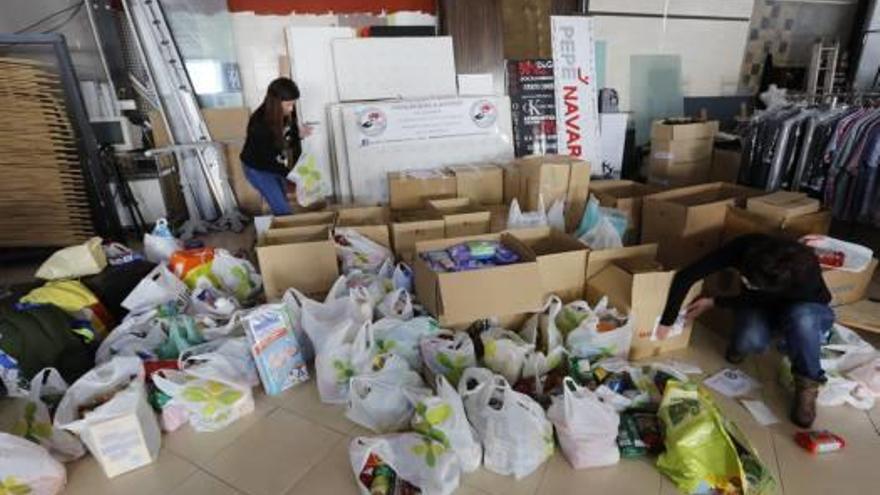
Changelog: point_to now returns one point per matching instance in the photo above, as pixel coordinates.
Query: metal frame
(105, 218)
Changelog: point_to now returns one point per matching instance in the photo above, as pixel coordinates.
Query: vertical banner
(532, 106)
(577, 98)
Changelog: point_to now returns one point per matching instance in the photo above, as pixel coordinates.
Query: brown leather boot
(803, 409)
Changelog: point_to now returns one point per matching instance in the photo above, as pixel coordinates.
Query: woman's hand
(698, 307)
(663, 332)
(305, 130)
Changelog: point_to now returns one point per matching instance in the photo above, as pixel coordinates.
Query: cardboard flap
(861, 315)
(363, 215)
(615, 283)
(598, 260)
(296, 235)
(474, 294)
(304, 219)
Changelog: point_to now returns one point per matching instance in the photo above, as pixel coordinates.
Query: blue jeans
(802, 325)
(272, 187)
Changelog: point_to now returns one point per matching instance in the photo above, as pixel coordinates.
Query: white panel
(715, 8)
(368, 165)
(377, 68)
(311, 65)
(613, 141)
(711, 51)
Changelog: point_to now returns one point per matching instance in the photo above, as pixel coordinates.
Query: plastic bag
(402, 277)
(93, 404)
(236, 276)
(586, 427)
(28, 468)
(396, 304)
(33, 422)
(516, 435)
(594, 213)
(137, 335)
(185, 261)
(705, 452)
(540, 331)
(334, 366)
(505, 352)
(275, 348)
(207, 300)
(448, 353)
(442, 418)
(358, 252)
(402, 337)
(382, 398)
(602, 236)
(856, 258)
(157, 288)
(310, 186)
(591, 339)
(319, 320)
(160, 244)
(556, 215)
(517, 219)
(212, 402)
(227, 358)
(414, 459)
(182, 334)
(868, 375)
(77, 261)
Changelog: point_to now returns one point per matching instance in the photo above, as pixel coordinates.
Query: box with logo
(299, 257)
(408, 190)
(369, 221)
(461, 216)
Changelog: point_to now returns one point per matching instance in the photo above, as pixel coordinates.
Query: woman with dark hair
(783, 291)
(272, 133)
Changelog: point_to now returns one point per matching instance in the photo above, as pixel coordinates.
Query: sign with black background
(533, 106)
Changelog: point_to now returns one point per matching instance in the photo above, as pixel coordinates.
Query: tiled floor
(293, 444)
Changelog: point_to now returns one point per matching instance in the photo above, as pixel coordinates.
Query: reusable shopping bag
(27, 468)
(448, 353)
(310, 186)
(442, 418)
(586, 427)
(413, 460)
(76, 261)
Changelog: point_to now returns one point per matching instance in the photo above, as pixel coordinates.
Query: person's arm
(726, 256)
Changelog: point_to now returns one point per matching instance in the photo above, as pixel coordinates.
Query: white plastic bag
(868, 375)
(160, 244)
(556, 215)
(396, 304)
(505, 352)
(310, 186)
(448, 353)
(319, 320)
(382, 398)
(160, 286)
(856, 257)
(212, 402)
(335, 360)
(517, 219)
(416, 459)
(540, 331)
(516, 435)
(838, 391)
(205, 300)
(402, 337)
(137, 335)
(236, 275)
(358, 252)
(845, 350)
(77, 261)
(602, 236)
(27, 468)
(586, 427)
(442, 418)
(587, 341)
(227, 358)
(122, 433)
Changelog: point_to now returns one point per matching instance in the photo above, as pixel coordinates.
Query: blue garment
(802, 325)
(272, 187)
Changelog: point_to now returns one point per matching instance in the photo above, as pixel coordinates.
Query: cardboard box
(498, 220)
(725, 165)
(562, 261)
(227, 124)
(665, 173)
(299, 257)
(861, 315)
(483, 184)
(783, 205)
(849, 287)
(461, 216)
(413, 226)
(464, 297)
(409, 189)
(688, 223)
(740, 222)
(370, 221)
(511, 175)
(640, 286)
(626, 196)
(553, 178)
(682, 150)
(664, 131)
(599, 260)
(304, 219)
(250, 200)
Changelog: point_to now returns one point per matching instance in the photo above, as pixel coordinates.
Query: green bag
(705, 453)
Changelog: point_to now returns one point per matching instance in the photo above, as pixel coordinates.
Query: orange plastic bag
(182, 262)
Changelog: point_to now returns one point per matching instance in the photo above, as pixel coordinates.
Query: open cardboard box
(783, 205)
(409, 189)
(639, 285)
(303, 219)
(662, 130)
(849, 287)
(300, 257)
(688, 222)
(411, 226)
(664, 173)
(553, 178)
(461, 216)
(626, 196)
(369, 221)
(740, 222)
(682, 150)
(562, 261)
(482, 184)
(460, 298)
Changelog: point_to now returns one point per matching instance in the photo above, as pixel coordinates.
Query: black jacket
(263, 153)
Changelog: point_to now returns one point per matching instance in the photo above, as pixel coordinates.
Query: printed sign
(532, 106)
(574, 68)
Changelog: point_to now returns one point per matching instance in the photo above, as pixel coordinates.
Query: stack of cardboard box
(681, 152)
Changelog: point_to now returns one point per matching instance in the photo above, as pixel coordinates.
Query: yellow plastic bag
(705, 453)
(74, 261)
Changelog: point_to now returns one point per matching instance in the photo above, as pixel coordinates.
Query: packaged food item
(629, 441)
(819, 441)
